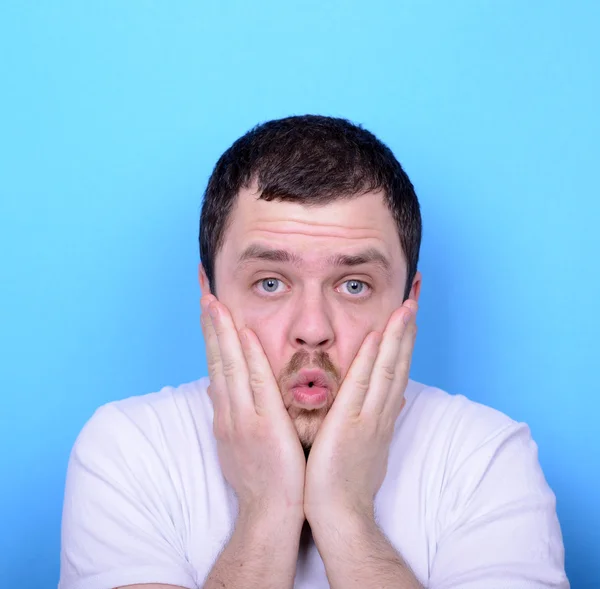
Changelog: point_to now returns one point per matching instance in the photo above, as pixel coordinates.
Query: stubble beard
(307, 425)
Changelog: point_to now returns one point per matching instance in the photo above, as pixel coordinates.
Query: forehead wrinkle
(314, 223)
(372, 232)
(256, 252)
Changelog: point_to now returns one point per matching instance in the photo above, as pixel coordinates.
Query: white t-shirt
(464, 501)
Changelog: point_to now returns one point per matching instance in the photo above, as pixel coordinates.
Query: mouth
(310, 389)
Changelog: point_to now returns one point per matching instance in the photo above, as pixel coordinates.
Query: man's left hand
(348, 460)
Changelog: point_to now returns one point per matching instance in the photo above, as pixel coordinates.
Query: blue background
(112, 115)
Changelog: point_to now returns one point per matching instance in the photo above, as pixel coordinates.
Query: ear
(203, 280)
(415, 290)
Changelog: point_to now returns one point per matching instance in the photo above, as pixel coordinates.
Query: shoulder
(165, 403)
(483, 481)
(130, 489)
(148, 424)
(457, 422)
(460, 443)
(476, 454)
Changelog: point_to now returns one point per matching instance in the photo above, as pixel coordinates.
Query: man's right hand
(259, 451)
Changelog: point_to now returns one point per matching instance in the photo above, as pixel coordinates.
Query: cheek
(244, 314)
(353, 326)
(350, 334)
(271, 336)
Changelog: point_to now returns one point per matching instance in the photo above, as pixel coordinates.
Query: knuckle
(257, 381)
(238, 429)
(244, 431)
(220, 427)
(388, 372)
(229, 368)
(375, 426)
(370, 427)
(362, 383)
(213, 365)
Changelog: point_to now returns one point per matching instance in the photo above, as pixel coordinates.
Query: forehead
(313, 231)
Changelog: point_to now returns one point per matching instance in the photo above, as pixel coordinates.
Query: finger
(267, 396)
(233, 363)
(395, 400)
(386, 364)
(353, 391)
(218, 385)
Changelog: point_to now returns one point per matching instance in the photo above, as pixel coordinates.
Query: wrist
(330, 516)
(342, 523)
(270, 522)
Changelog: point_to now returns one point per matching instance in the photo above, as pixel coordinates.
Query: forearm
(357, 555)
(262, 552)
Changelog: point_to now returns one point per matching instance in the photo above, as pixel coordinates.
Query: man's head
(310, 233)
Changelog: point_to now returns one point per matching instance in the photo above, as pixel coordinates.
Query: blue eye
(270, 284)
(355, 286)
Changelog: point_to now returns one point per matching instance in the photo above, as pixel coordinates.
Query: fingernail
(407, 317)
(212, 311)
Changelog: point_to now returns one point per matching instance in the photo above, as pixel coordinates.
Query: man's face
(311, 282)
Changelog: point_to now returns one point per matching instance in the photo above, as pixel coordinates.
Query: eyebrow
(369, 255)
(261, 252)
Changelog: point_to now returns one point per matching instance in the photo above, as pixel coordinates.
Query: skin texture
(313, 320)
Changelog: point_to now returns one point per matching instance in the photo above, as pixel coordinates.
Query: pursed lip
(317, 377)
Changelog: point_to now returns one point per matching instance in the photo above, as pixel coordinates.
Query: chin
(307, 425)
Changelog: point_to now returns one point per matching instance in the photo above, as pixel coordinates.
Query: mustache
(303, 359)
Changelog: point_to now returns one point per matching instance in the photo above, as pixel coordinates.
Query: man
(308, 458)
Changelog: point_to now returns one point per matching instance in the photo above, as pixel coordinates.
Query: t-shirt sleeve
(118, 515)
(498, 526)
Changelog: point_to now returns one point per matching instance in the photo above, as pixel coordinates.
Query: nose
(312, 326)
